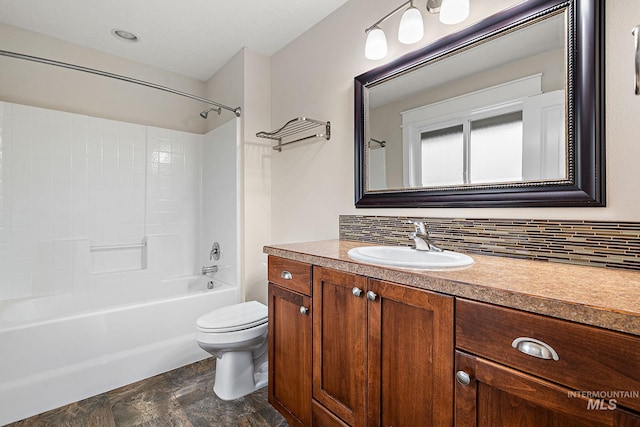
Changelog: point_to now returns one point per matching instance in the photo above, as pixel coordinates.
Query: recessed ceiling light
(124, 35)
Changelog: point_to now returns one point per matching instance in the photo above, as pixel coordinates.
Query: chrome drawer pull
(535, 348)
(371, 296)
(356, 292)
(286, 275)
(304, 310)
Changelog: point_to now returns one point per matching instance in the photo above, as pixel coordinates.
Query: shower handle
(215, 252)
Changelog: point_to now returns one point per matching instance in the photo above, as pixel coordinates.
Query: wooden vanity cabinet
(351, 351)
(501, 385)
(289, 339)
(382, 353)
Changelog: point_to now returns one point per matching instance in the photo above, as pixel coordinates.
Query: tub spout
(210, 269)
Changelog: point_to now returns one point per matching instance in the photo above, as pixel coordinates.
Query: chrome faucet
(210, 269)
(421, 238)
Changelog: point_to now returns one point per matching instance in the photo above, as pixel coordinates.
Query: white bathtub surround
(221, 190)
(97, 219)
(72, 184)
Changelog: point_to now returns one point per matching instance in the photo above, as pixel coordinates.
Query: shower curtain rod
(237, 111)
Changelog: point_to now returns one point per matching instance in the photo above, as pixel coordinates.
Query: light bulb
(411, 28)
(376, 45)
(454, 11)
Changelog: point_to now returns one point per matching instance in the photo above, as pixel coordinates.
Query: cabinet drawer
(589, 359)
(293, 275)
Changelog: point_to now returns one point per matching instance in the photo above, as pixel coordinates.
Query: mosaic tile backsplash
(594, 243)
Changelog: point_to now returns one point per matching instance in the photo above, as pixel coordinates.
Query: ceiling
(190, 37)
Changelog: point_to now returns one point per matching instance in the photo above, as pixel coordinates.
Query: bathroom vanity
(354, 344)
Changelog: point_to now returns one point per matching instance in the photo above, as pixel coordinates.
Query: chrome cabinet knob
(304, 310)
(357, 292)
(463, 378)
(286, 275)
(371, 296)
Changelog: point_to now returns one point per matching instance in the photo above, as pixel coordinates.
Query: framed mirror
(508, 112)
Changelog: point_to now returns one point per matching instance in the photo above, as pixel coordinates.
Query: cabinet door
(290, 330)
(500, 396)
(410, 356)
(323, 418)
(339, 343)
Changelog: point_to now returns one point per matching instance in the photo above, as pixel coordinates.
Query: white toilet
(237, 336)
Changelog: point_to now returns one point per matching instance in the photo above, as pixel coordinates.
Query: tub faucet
(210, 269)
(421, 238)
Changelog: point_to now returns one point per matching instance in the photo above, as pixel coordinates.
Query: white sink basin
(405, 257)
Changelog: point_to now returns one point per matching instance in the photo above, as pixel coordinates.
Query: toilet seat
(234, 318)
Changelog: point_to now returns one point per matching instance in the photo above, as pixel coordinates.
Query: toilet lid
(234, 317)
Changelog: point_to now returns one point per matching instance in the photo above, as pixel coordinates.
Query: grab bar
(96, 248)
(636, 36)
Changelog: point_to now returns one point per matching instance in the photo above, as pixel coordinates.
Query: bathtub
(61, 349)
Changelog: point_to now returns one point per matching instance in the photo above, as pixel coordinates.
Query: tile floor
(182, 397)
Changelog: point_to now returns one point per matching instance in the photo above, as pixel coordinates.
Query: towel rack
(295, 126)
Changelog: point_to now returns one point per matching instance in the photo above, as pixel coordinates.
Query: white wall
(227, 87)
(313, 76)
(256, 175)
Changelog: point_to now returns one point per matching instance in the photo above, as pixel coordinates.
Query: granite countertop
(604, 297)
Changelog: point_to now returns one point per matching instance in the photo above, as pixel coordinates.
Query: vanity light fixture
(454, 11)
(411, 29)
(376, 45)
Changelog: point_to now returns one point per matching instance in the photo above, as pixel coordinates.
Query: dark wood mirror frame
(585, 124)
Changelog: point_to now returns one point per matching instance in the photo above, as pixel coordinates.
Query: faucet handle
(420, 227)
(215, 252)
